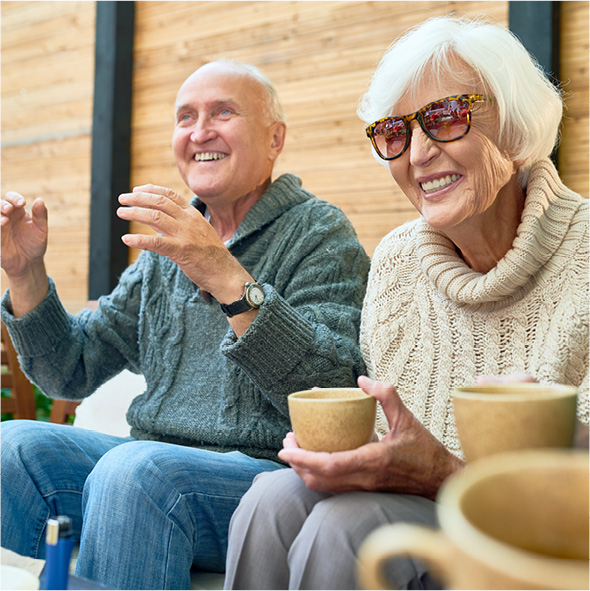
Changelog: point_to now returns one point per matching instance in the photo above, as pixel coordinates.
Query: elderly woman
(490, 280)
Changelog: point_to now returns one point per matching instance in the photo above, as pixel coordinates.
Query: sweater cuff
(39, 331)
(274, 344)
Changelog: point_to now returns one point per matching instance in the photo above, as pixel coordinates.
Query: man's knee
(23, 439)
(138, 470)
(13, 431)
(127, 466)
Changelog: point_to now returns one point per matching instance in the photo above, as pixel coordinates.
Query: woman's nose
(422, 148)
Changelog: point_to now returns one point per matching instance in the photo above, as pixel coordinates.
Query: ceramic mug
(517, 520)
(332, 419)
(505, 417)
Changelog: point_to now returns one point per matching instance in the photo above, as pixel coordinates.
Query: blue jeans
(144, 511)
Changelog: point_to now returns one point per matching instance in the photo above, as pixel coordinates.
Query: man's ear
(278, 131)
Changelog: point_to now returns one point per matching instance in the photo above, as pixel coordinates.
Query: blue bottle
(59, 543)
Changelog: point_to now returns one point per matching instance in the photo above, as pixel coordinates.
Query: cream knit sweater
(431, 323)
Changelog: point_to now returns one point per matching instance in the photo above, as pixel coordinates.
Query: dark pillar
(537, 26)
(111, 139)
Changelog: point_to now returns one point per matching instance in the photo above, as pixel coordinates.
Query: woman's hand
(409, 459)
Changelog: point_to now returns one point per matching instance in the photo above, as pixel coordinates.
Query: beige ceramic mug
(505, 417)
(517, 520)
(332, 419)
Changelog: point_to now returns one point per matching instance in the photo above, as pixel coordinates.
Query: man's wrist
(28, 289)
(251, 299)
(230, 287)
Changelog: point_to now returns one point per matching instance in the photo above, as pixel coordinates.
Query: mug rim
(522, 391)
(360, 394)
(466, 536)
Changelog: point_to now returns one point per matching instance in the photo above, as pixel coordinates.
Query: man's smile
(208, 156)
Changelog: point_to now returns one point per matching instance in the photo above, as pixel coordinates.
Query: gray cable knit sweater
(205, 387)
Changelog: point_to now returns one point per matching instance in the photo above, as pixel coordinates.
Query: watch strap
(239, 306)
(236, 307)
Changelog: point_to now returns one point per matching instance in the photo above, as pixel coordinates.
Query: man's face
(223, 142)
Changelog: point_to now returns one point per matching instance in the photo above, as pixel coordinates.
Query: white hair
(275, 109)
(529, 106)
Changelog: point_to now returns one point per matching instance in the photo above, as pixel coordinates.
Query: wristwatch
(252, 299)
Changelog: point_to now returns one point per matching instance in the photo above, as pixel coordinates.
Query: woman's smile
(437, 184)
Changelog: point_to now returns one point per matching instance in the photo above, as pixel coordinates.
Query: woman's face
(454, 183)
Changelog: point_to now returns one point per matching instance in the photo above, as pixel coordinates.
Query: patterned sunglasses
(445, 120)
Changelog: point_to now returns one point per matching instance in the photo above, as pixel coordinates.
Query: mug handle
(401, 539)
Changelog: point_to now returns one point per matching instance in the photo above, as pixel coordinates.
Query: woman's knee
(336, 528)
(274, 508)
(26, 454)
(278, 493)
(267, 486)
(265, 492)
(356, 514)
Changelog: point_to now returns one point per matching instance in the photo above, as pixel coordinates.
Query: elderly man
(249, 292)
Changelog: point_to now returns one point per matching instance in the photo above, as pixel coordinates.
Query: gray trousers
(285, 536)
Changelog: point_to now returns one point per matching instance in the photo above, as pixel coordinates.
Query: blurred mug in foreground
(517, 520)
(332, 419)
(504, 417)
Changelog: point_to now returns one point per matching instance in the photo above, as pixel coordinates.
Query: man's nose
(203, 131)
(422, 148)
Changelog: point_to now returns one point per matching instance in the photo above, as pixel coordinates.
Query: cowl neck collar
(548, 211)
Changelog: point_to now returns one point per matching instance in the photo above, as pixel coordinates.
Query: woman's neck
(485, 239)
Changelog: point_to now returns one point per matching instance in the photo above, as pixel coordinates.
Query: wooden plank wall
(47, 93)
(573, 155)
(319, 54)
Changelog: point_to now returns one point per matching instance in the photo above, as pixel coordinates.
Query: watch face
(255, 295)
